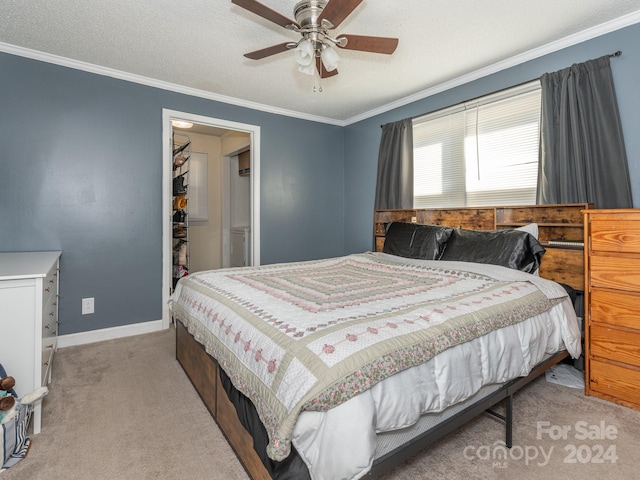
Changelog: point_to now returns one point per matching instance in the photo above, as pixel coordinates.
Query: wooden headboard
(560, 231)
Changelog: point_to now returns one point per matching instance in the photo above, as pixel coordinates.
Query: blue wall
(81, 163)
(363, 138)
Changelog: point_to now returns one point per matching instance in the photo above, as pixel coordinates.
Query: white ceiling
(197, 46)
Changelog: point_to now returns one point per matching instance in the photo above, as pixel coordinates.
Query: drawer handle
(48, 289)
(51, 281)
(46, 364)
(55, 303)
(47, 327)
(50, 346)
(51, 314)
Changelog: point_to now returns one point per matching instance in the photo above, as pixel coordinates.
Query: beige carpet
(123, 409)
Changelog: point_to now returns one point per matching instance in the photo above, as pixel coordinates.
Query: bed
(306, 366)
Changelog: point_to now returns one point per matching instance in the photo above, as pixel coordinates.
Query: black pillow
(510, 248)
(411, 240)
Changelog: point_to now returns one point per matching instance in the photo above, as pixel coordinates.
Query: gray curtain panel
(394, 187)
(582, 152)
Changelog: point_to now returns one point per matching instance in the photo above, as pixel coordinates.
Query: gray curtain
(394, 187)
(582, 152)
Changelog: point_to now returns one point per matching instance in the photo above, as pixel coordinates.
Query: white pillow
(531, 228)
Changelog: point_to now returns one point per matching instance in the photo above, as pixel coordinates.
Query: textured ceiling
(199, 44)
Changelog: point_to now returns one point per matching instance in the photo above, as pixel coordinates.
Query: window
(480, 153)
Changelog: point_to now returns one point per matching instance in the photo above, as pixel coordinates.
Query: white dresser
(29, 319)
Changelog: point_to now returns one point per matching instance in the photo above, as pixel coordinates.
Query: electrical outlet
(87, 305)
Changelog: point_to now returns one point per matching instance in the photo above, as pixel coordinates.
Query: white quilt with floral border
(311, 335)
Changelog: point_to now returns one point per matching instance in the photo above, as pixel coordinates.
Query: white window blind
(480, 153)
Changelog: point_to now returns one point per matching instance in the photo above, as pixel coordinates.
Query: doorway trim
(167, 193)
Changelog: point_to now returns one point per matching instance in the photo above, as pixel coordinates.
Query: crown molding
(588, 34)
(151, 82)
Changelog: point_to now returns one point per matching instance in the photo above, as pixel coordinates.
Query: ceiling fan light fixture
(315, 21)
(330, 58)
(307, 69)
(304, 53)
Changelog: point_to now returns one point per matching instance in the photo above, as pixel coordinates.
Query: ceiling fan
(314, 19)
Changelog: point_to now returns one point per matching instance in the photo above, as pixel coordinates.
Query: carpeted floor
(123, 409)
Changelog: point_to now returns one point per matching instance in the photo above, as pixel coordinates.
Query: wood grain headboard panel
(560, 231)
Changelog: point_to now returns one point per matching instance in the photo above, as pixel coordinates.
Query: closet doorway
(218, 144)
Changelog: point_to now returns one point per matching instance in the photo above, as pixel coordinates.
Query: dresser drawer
(615, 344)
(50, 286)
(47, 359)
(618, 234)
(49, 337)
(616, 381)
(615, 308)
(50, 309)
(621, 273)
(49, 328)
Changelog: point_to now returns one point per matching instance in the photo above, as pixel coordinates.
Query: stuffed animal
(7, 383)
(28, 399)
(7, 400)
(15, 414)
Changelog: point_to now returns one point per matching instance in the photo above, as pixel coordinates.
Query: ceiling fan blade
(323, 71)
(267, 52)
(365, 43)
(265, 12)
(337, 10)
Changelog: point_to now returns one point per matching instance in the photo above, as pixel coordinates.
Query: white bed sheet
(340, 443)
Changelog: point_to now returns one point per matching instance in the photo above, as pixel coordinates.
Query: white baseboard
(92, 336)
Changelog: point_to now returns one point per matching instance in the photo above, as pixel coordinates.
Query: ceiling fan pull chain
(317, 82)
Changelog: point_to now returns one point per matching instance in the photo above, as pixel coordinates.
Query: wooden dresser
(29, 319)
(612, 296)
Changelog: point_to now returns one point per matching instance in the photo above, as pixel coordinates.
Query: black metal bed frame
(432, 435)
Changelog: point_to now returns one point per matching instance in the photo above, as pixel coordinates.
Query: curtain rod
(611, 55)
